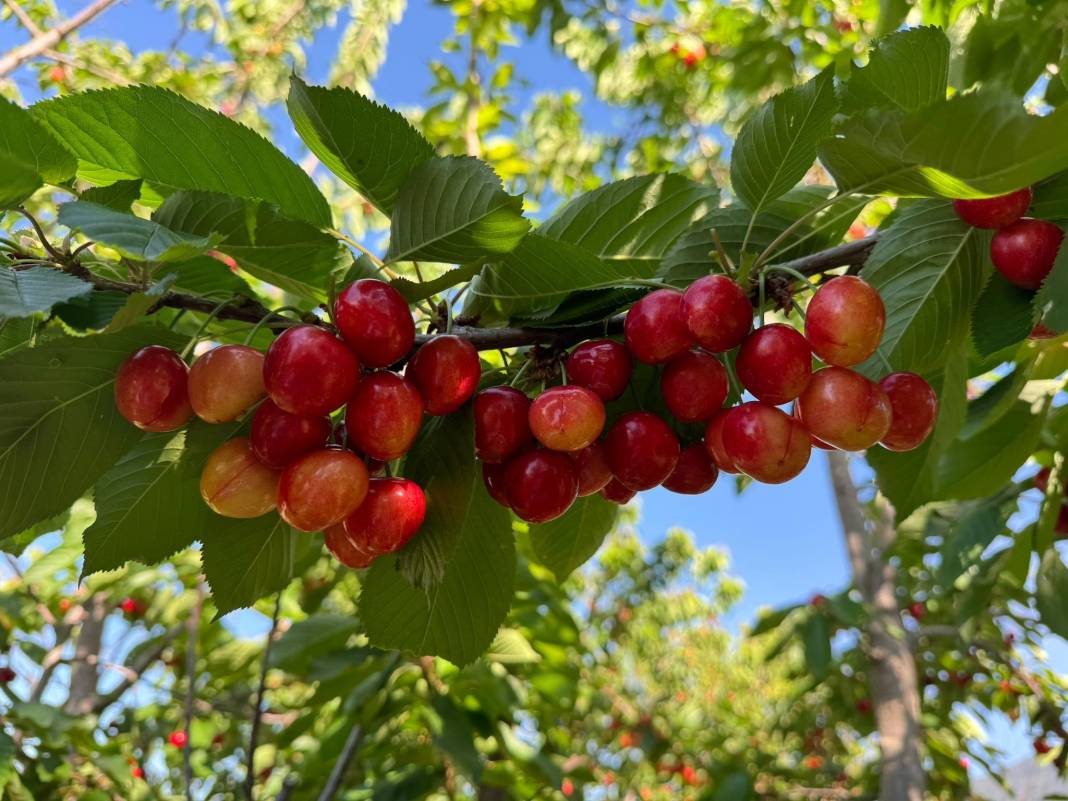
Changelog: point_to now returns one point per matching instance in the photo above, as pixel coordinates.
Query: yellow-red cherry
(844, 409)
(765, 443)
(383, 416)
(717, 451)
(321, 489)
(567, 418)
(346, 549)
(234, 483)
(844, 321)
(226, 382)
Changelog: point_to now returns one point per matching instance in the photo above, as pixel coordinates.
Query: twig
(46, 40)
(136, 669)
(257, 711)
(24, 19)
(191, 687)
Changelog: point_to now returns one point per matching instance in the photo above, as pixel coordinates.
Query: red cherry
(567, 787)
(844, 409)
(447, 371)
(994, 212)
(348, 550)
(226, 382)
(151, 389)
(1042, 331)
(642, 450)
(915, 411)
(845, 320)
(567, 418)
(864, 706)
(308, 371)
(7, 675)
(1041, 479)
(818, 601)
(384, 415)
(816, 441)
(179, 739)
(234, 483)
(65, 604)
(1024, 252)
(718, 313)
(616, 493)
(137, 772)
(279, 438)
(591, 466)
(694, 386)
(128, 605)
(57, 74)
(714, 443)
(540, 485)
(321, 488)
(602, 365)
(655, 329)
(765, 443)
(493, 478)
(389, 517)
(694, 473)
(1062, 521)
(775, 363)
(501, 425)
(375, 321)
(918, 610)
(1041, 746)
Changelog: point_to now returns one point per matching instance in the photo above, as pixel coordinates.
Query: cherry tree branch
(142, 663)
(47, 40)
(257, 713)
(191, 687)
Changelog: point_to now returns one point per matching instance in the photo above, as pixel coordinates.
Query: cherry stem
(276, 313)
(724, 259)
(521, 372)
(203, 327)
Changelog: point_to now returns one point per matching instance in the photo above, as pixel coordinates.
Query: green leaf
(1051, 588)
(1003, 316)
(735, 786)
(973, 530)
(91, 312)
(24, 293)
(456, 736)
(29, 156)
(906, 70)
(413, 291)
(777, 145)
(510, 647)
(204, 275)
(138, 304)
(248, 559)
(368, 146)
(118, 196)
(133, 237)
(454, 210)
(569, 541)
(310, 638)
(816, 635)
(62, 393)
(891, 14)
(151, 133)
(769, 620)
(18, 183)
(1051, 301)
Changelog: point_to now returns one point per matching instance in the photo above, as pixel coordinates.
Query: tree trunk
(84, 670)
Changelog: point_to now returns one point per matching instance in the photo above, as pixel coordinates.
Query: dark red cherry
(994, 212)
(844, 409)
(591, 465)
(280, 438)
(718, 313)
(501, 426)
(383, 416)
(765, 443)
(493, 478)
(151, 389)
(602, 365)
(375, 321)
(655, 329)
(567, 418)
(642, 450)
(694, 473)
(616, 493)
(346, 549)
(914, 411)
(309, 371)
(389, 516)
(694, 386)
(1042, 331)
(844, 322)
(540, 485)
(447, 371)
(714, 443)
(775, 363)
(321, 489)
(226, 382)
(1024, 252)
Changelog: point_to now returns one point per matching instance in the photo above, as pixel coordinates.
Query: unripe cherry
(994, 212)
(914, 406)
(234, 483)
(591, 467)
(765, 443)
(493, 478)
(845, 320)
(567, 418)
(346, 549)
(389, 516)
(717, 451)
(694, 473)
(151, 389)
(226, 382)
(383, 416)
(642, 450)
(540, 485)
(1024, 252)
(775, 363)
(309, 371)
(718, 313)
(501, 426)
(655, 329)
(375, 321)
(844, 409)
(279, 438)
(447, 371)
(321, 489)
(602, 365)
(694, 386)
(616, 493)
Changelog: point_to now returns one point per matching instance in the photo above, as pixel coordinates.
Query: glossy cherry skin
(844, 409)
(226, 382)
(914, 411)
(602, 365)
(280, 438)
(567, 418)
(694, 386)
(994, 212)
(321, 489)
(765, 443)
(655, 329)
(309, 371)
(775, 363)
(642, 450)
(383, 416)
(1041, 479)
(845, 320)
(493, 478)
(447, 371)
(1024, 252)
(151, 389)
(717, 451)
(501, 426)
(816, 441)
(591, 466)
(616, 493)
(389, 516)
(346, 549)
(234, 483)
(540, 485)
(694, 473)
(717, 312)
(375, 321)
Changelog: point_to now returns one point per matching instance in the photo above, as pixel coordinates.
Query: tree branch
(46, 40)
(143, 662)
(191, 687)
(257, 713)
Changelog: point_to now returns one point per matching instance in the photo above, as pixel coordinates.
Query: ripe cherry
(7, 675)
(389, 517)
(1041, 479)
(567, 418)
(602, 365)
(151, 389)
(694, 386)
(502, 428)
(917, 609)
(321, 488)
(816, 441)
(591, 466)
(346, 549)
(714, 443)
(384, 415)
(375, 321)
(914, 407)
(226, 382)
(137, 772)
(493, 478)
(234, 483)
(655, 329)
(279, 438)
(540, 485)
(1024, 252)
(994, 212)
(308, 371)
(775, 363)
(179, 739)
(864, 706)
(1042, 331)
(1041, 746)
(642, 450)
(844, 409)
(765, 443)
(132, 607)
(844, 322)
(447, 371)
(694, 473)
(717, 312)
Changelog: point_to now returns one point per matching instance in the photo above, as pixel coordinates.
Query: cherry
(540, 485)
(994, 212)
(655, 329)
(816, 441)
(1024, 252)
(7, 675)
(226, 382)
(137, 772)
(818, 601)
(918, 609)
(321, 488)
(392, 512)
(844, 409)
(1062, 521)
(308, 371)
(694, 473)
(279, 438)
(864, 706)
(567, 418)
(1042, 331)
(775, 363)
(915, 411)
(1041, 479)
(1041, 746)
(151, 389)
(642, 450)
(718, 313)
(234, 483)
(694, 386)
(65, 604)
(591, 466)
(375, 321)
(179, 739)
(602, 365)
(844, 322)
(501, 426)
(447, 371)
(383, 416)
(714, 443)
(765, 443)
(493, 478)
